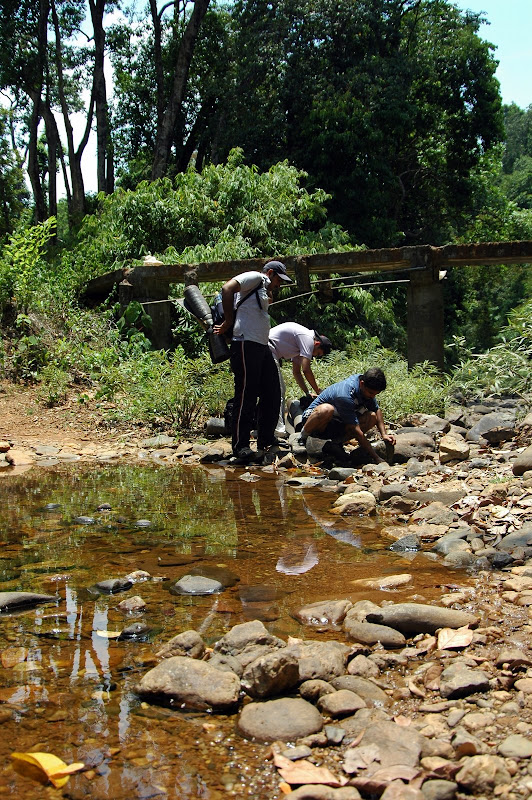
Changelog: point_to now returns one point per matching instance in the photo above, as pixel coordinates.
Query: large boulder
(188, 683)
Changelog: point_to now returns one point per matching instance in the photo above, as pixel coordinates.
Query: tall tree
(387, 104)
(166, 125)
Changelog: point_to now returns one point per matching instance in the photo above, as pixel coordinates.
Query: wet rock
(12, 600)
(411, 543)
(385, 582)
(196, 585)
(515, 746)
(295, 753)
(372, 694)
(459, 680)
(438, 789)
(370, 634)
(286, 719)
(84, 520)
(419, 618)
(323, 660)
(355, 503)
(189, 643)
(399, 505)
(481, 774)
(271, 674)
(244, 635)
(143, 523)
(130, 604)
(220, 574)
(331, 612)
(110, 586)
(188, 683)
(453, 448)
(489, 422)
(137, 631)
(523, 462)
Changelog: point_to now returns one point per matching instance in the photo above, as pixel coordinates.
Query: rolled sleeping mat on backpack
(197, 305)
(295, 415)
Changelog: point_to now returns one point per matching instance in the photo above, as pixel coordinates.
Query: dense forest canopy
(390, 106)
(244, 128)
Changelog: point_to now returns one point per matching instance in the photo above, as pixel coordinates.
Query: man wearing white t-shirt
(245, 300)
(295, 343)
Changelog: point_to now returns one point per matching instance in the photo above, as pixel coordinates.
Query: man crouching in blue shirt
(348, 410)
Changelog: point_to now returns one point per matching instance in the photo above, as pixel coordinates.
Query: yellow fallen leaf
(45, 767)
(303, 772)
(108, 634)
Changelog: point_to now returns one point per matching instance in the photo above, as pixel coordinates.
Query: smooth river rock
(420, 618)
(286, 719)
(10, 600)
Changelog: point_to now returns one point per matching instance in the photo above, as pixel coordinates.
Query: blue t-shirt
(347, 399)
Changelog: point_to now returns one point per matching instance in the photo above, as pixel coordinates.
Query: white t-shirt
(290, 340)
(252, 323)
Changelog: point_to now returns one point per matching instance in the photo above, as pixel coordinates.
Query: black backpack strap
(249, 294)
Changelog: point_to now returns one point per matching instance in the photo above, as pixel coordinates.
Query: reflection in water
(72, 691)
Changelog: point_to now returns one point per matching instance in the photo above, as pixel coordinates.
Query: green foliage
(507, 367)
(54, 385)
(22, 265)
(228, 211)
(132, 323)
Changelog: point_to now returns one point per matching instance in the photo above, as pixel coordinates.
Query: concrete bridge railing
(423, 265)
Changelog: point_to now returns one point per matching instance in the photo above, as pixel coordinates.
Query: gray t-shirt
(289, 340)
(252, 323)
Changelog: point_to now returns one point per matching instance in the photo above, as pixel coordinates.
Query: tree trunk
(77, 209)
(166, 130)
(105, 166)
(35, 118)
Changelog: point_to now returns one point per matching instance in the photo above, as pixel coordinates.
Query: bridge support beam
(425, 317)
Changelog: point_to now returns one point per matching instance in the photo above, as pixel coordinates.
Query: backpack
(217, 311)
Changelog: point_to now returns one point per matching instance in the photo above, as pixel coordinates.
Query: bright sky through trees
(510, 30)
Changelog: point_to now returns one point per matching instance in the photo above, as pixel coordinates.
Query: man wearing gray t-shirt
(245, 300)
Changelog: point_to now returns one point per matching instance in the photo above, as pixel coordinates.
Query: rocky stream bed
(415, 700)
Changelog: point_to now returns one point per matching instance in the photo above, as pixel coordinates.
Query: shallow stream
(69, 689)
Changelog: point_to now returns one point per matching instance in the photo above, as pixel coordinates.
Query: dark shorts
(335, 429)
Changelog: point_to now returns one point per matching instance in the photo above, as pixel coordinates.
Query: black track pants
(256, 388)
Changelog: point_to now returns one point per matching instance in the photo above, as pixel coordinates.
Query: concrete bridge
(421, 265)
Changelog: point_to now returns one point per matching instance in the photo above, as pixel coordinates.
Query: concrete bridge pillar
(425, 317)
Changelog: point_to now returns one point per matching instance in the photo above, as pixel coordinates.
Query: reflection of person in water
(299, 554)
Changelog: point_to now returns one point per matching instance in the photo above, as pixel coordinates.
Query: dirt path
(24, 421)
